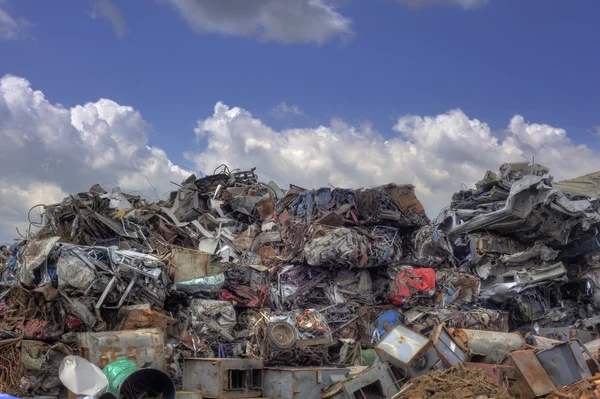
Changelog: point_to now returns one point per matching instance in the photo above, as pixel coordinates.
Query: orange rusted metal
(532, 380)
(142, 346)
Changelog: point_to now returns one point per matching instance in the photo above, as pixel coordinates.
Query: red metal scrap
(244, 297)
(410, 281)
(72, 323)
(34, 328)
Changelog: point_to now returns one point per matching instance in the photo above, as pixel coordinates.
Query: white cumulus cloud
(435, 153)
(47, 150)
(286, 21)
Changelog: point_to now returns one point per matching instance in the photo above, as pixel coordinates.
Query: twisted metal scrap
(11, 369)
(457, 382)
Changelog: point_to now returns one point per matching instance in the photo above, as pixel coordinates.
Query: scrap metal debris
(500, 290)
(457, 382)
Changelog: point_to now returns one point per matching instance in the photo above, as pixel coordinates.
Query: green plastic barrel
(368, 357)
(127, 380)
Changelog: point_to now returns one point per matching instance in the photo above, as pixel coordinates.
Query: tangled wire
(11, 368)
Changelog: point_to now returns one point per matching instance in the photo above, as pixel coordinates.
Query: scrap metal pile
(356, 283)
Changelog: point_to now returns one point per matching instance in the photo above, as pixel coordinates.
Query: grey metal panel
(561, 333)
(448, 349)
(564, 363)
(299, 383)
(380, 376)
(278, 383)
(211, 377)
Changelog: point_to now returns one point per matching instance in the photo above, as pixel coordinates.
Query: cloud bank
(48, 151)
(435, 153)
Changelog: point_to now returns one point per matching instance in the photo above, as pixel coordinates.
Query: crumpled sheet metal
(33, 256)
(420, 319)
(74, 272)
(433, 248)
(524, 280)
(203, 284)
(339, 247)
(535, 256)
(411, 282)
(535, 211)
(457, 287)
(209, 317)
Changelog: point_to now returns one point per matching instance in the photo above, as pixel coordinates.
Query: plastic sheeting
(82, 377)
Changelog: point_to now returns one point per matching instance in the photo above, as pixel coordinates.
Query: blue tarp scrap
(323, 198)
(303, 205)
(386, 321)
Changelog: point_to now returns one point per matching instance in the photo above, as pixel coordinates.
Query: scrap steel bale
(338, 247)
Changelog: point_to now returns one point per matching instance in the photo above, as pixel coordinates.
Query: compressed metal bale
(341, 246)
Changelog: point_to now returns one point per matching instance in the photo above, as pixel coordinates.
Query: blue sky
(538, 58)
(369, 63)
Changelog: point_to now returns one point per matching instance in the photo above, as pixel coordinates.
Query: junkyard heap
(233, 288)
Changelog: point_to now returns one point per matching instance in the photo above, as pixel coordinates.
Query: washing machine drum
(282, 335)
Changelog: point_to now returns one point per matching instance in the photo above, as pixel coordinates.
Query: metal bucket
(126, 379)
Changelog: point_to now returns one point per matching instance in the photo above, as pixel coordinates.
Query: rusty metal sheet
(143, 346)
(543, 342)
(190, 264)
(532, 374)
